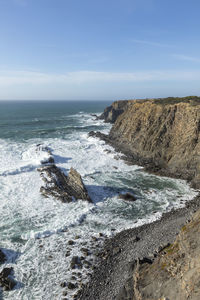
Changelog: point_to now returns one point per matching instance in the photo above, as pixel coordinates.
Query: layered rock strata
(62, 187)
(163, 135)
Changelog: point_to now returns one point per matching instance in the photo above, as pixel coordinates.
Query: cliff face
(175, 272)
(163, 135)
(112, 112)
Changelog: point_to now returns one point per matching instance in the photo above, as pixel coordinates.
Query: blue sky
(99, 49)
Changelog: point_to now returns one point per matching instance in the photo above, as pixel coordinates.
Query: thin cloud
(18, 78)
(186, 58)
(150, 43)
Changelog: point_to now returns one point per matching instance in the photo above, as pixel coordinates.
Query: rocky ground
(175, 273)
(143, 247)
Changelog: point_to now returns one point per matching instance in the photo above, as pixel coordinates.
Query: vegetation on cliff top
(193, 100)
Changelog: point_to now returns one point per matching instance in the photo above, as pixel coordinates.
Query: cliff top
(192, 100)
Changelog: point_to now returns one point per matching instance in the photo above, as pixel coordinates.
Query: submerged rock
(127, 196)
(62, 187)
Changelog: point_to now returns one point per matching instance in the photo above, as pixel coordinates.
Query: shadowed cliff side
(161, 134)
(112, 112)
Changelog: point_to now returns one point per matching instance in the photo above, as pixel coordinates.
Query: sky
(99, 49)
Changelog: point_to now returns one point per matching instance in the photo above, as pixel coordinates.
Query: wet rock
(76, 262)
(6, 272)
(72, 286)
(73, 277)
(94, 115)
(62, 187)
(6, 282)
(128, 197)
(63, 284)
(85, 251)
(71, 242)
(99, 135)
(2, 257)
(67, 253)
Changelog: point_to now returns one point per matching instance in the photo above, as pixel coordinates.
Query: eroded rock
(65, 188)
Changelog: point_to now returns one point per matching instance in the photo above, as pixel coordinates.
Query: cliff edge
(161, 134)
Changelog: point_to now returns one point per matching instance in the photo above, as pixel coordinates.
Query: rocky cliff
(161, 134)
(175, 273)
(160, 260)
(112, 112)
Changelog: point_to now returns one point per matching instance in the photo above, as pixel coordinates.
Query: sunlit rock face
(163, 135)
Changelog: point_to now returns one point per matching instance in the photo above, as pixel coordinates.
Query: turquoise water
(34, 231)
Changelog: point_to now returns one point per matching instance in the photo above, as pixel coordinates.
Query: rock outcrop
(62, 187)
(6, 282)
(112, 112)
(161, 134)
(175, 272)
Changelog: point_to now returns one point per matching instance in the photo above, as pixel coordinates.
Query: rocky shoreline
(119, 274)
(113, 277)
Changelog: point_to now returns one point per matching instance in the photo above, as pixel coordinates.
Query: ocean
(35, 231)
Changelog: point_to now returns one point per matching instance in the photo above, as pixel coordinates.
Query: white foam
(29, 220)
